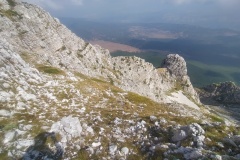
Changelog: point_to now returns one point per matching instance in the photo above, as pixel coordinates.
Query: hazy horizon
(205, 13)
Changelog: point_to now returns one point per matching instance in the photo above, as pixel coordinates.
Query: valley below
(212, 55)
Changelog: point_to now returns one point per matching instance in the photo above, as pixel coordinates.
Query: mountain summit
(63, 98)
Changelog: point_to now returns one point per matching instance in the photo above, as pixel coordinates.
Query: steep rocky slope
(223, 97)
(224, 93)
(61, 97)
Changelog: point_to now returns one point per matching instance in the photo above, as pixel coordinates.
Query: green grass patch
(216, 134)
(10, 126)
(11, 14)
(216, 118)
(26, 57)
(80, 75)
(203, 74)
(50, 70)
(11, 3)
(137, 99)
(4, 155)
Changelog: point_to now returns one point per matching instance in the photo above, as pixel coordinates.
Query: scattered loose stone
(124, 150)
(5, 113)
(9, 136)
(153, 118)
(112, 149)
(96, 144)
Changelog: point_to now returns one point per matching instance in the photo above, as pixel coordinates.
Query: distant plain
(212, 55)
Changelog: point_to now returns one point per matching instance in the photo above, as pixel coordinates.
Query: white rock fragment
(90, 150)
(20, 105)
(163, 121)
(5, 96)
(216, 157)
(9, 136)
(82, 110)
(163, 146)
(112, 149)
(90, 130)
(117, 121)
(179, 135)
(153, 118)
(6, 85)
(24, 143)
(96, 144)
(5, 113)
(27, 127)
(124, 150)
(68, 127)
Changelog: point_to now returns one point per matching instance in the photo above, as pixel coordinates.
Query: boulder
(194, 131)
(176, 65)
(112, 149)
(196, 154)
(179, 135)
(68, 127)
(124, 150)
(9, 136)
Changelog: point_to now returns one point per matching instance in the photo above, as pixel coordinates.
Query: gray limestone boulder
(179, 135)
(112, 149)
(193, 131)
(69, 128)
(232, 141)
(124, 150)
(195, 154)
(176, 65)
(9, 136)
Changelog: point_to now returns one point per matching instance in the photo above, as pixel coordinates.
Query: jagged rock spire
(176, 65)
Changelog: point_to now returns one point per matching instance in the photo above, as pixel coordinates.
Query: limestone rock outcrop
(226, 92)
(42, 40)
(141, 77)
(193, 131)
(176, 65)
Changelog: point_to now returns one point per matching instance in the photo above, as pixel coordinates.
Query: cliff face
(77, 99)
(33, 33)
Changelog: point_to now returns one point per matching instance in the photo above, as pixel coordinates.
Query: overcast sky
(210, 13)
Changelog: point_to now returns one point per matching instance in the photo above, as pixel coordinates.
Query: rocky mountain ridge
(48, 42)
(224, 93)
(92, 106)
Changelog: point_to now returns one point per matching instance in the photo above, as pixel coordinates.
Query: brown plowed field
(111, 46)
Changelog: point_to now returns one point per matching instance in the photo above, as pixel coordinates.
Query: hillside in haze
(213, 55)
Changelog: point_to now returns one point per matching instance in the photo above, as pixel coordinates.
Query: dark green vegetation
(12, 3)
(10, 14)
(50, 70)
